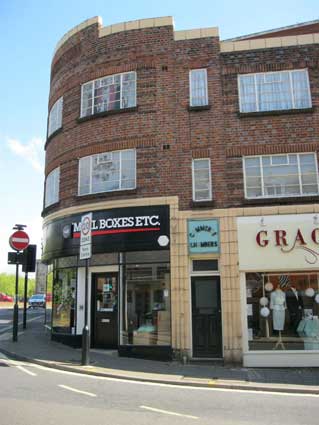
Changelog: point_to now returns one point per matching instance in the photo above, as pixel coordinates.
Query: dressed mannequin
(295, 305)
(278, 306)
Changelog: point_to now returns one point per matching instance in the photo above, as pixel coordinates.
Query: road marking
(77, 391)
(26, 371)
(177, 387)
(166, 412)
(7, 328)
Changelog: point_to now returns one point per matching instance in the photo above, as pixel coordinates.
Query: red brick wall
(266, 134)
(163, 118)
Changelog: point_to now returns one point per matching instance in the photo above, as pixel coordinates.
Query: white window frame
(191, 88)
(97, 79)
(55, 116)
(209, 176)
(120, 173)
(52, 192)
(256, 89)
(263, 196)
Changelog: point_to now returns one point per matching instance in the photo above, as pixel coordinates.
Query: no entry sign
(19, 240)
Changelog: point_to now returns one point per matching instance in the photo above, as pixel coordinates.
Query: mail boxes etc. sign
(203, 236)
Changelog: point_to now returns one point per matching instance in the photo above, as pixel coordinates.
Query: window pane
(55, 116)
(282, 176)
(64, 301)
(110, 171)
(267, 319)
(274, 91)
(201, 180)
(84, 175)
(198, 82)
(109, 93)
(52, 187)
(146, 305)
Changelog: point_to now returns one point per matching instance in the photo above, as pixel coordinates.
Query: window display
(146, 317)
(64, 301)
(282, 311)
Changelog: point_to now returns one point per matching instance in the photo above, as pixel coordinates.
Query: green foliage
(8, 283)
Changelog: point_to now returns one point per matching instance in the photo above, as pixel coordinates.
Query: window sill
(281, 201)
(198, 108)
(275, 112)
(111, 193)
(49, 138)
(202, 204)
(107, 113)
(50, 208)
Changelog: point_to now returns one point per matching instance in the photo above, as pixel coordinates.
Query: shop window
(107, 172)
(277, 176)
(198, 87)
(64, 301)
(52, 184)
(48, 298)
(55, 117)
(271, 91)
(202, 185)
(204, 265)
(108, 93)
(282, 311)
(146, 316)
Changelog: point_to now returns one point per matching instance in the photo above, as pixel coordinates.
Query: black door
(104, 310)
(206, 317)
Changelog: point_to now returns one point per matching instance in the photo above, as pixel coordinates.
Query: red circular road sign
(19, 240)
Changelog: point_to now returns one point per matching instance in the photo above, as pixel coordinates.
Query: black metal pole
(86, 330)
(25, 300)
(16, 307)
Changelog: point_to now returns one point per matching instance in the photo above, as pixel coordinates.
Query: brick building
(198, 160)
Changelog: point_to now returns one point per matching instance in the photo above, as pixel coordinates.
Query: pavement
(34, 345)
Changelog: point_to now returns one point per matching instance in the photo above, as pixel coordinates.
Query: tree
(8, 283)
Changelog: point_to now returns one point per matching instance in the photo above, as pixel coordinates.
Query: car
(37, 300)
(5, 297)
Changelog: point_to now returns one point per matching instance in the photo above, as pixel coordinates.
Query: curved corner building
(168, 139)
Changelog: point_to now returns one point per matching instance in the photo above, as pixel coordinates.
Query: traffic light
(30, 259)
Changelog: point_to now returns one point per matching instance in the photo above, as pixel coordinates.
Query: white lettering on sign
(120, 222)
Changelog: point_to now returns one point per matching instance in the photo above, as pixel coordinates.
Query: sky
(29, 32)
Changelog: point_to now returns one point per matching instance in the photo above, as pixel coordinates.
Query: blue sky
(29, 31)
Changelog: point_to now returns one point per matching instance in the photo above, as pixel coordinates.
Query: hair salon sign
(203, 236)
(284, 242)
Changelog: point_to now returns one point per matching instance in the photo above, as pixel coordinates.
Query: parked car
(5, 297)
(37, 300)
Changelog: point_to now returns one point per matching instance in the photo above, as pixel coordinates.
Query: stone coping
(138, 24)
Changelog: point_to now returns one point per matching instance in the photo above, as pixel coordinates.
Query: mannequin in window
(295, 306)
(278, 307)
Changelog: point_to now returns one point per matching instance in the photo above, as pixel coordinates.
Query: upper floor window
(55, 116)
(108, 93)
(198, 87)
(202, 185)
(275, 176)
(271, 91)
(106, 172)
(52, 184)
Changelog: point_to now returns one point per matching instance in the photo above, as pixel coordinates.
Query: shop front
(128, 275)
(205, 289)
(279, 275)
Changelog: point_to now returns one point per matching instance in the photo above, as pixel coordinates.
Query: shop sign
(114, 230)
(203, 236)
(289, 242)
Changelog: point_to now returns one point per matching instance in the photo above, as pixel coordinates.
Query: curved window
(107, 172)
(52, 187)
(108, 93)
(55, 117)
